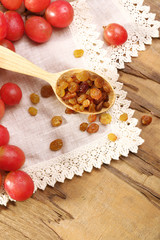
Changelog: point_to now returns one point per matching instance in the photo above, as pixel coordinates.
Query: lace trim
(105, 63)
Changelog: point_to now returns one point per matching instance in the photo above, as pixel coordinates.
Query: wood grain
(120, 201)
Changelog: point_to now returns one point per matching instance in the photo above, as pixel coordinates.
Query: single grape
(15, 25)
(12, 4)
(3, 26)
(8, 44)
(59, 13)
(36, 5)
(38, 29)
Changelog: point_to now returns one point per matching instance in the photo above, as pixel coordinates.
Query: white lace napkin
(81, 151)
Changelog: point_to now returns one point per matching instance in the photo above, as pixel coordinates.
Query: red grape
(2, 109)
(11, 94)
(115, 34)
(4, 135)
(11, 158)
(36, 5)
(15, 25)
(3, 26)
(11, 4)
(19, 185)
(38, 29)
(59, 13)
(8, 44)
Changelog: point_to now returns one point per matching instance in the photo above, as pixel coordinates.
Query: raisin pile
(84, 91)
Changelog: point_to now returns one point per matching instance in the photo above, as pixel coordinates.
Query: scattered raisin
(92, 118)
(123, 117)
(78, 53)
(56, 145)
(56, 121)
(93, 128)
(34, 98)
(112, 137)
(69, 111)
(32, 111)
(105, 118)
(46, 91)
(83, 126)
(146, 120)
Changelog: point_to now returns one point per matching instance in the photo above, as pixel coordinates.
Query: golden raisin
(123, 117)
(92, 76)
(86, 103)
(69, 95)
(82, 76)
(63, 85)
(46, 91)
(69, 79)
(73, 87)
(76, 107)
(92, 118)
(34, 98)
(106, 87)
(56, 145)
(60, 92)
(106, 104)
(93, 128)
(32, 111)
(69, 111)
(72, 101)
(56, 121)
(78, 53)
(83, 126)
(98, 82)
(105, 118)
(81, 108)
(99, 106)
(95, 93)
(90, 83)
(146, 120)
(92, 107)
(81, 98)
(112, 137)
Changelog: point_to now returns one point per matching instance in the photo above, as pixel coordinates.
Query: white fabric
(81, 151)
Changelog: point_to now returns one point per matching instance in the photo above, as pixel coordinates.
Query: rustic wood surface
(120, 201)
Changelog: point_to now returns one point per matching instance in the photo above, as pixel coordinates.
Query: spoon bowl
(12, 61)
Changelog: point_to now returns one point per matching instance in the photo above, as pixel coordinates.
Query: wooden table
(117, 202)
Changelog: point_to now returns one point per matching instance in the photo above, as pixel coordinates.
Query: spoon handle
(12, 61)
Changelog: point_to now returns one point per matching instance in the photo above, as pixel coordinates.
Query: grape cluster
(34, 18)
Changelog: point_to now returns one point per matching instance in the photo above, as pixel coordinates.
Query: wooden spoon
(12, 61)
